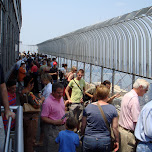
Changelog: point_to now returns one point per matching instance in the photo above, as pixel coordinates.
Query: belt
(127, 129)
(60, 125)
(144, 141)
(75, 103)
(54, 126)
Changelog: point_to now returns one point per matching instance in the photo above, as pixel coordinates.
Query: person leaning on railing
(11, 89)
(4, 101)
(108, 85)
(4, 97)
(30, 119)
(97, 136)
(91, 92)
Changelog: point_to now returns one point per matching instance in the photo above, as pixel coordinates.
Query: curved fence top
(122, 43)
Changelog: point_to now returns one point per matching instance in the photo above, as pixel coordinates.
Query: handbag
(107, 124)
(28, 107)
(86, 97)
(32, 99)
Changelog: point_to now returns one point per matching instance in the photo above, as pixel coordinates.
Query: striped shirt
(12, 102)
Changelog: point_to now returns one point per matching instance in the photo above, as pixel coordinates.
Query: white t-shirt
(47, 90)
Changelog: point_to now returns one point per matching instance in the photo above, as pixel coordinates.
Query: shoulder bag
(84, 96)
(27, 107)
(107, 124)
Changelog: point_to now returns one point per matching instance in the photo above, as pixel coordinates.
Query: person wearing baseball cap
(54, 72)
(55, 63)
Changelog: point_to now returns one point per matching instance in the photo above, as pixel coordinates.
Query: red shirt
(12, 102)
(34, 68)
(12, 99)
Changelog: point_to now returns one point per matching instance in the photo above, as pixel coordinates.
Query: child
(67, 139)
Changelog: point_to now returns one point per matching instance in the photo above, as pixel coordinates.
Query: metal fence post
(101, 74)
(58, 61)
(66, 61)
(71, 63)
(133, 79)
(90, 73)
(77, 65)
(84, 69)
(113, 80)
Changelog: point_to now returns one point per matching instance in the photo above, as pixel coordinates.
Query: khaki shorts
(76, 110)
(127, 140)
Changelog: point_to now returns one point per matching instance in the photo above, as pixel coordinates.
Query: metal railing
(122, 44)
(14, 140)
(118, 50)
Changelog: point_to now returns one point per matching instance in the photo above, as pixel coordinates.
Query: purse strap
(78, 86)
(104, 117)
(26, 98)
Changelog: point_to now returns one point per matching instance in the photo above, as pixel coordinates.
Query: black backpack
(60, 74)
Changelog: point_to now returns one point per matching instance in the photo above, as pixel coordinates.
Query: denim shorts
(92, 144)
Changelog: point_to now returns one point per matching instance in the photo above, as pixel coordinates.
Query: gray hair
(46, 76)
(141, 82)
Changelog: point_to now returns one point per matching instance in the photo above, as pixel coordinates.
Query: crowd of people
(58, 97)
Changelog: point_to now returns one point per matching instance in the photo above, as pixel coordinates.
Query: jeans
(92, 144)
(144, 147)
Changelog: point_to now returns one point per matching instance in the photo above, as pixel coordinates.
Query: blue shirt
(52, 63)
(96, 126)
(143, 130)
(68, 141)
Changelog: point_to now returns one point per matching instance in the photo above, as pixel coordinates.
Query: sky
(46, 19)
